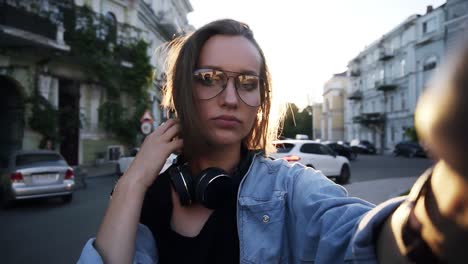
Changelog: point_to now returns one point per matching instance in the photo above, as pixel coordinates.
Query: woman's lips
(226, 121)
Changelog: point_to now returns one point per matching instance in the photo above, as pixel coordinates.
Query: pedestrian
(225, 201)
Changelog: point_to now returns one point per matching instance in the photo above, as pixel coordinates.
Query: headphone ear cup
(214, 188)
(181, 181)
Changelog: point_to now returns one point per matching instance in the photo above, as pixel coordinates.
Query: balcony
(356, 95)
(355, 73)
(26, 24)
(385, 54)
(369, 119)
(385, 86)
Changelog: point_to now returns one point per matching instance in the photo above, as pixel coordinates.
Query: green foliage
(44, 117)
(411, 133)
(296, 122)
(95, 47)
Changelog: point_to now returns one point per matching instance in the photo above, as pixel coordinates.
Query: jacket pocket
(262, 229)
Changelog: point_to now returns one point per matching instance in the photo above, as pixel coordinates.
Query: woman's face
(227, 118)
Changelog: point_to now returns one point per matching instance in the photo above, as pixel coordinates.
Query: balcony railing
(356, 95)
(369, 119)
(355, 73)
(106, 29)
(385, 86)
(385, 54)
(30, 17)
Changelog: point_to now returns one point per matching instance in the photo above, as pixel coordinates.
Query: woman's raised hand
(442, 123)
(154, 151)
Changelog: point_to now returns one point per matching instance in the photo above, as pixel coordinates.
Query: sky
(307, 41)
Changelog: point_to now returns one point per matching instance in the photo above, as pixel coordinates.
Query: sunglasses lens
(213, 83)
(248, 88)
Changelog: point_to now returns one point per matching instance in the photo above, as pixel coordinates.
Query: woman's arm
(116, 237)
(441, 213)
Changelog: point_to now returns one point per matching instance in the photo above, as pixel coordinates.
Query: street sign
(146, 127)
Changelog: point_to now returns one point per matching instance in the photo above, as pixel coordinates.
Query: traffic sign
(146, 127)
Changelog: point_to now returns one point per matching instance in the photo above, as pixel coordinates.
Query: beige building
(332, 121)
(317, 120)
(39, 63)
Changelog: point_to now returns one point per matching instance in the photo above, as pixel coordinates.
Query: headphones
(213, 187)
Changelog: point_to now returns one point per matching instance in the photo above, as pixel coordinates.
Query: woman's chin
(225, 140)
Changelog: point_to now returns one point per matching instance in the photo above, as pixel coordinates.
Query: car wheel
(67, 198)
(411, 154)
(344, 175)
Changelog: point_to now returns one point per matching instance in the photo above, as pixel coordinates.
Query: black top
(217, 242)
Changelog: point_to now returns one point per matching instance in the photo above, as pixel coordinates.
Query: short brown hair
(183, 57)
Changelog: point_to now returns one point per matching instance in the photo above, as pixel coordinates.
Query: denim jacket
(290, 214)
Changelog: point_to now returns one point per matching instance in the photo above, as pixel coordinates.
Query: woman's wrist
(443, 213)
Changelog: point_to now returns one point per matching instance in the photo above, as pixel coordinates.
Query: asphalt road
(372, 167)
(48, 231)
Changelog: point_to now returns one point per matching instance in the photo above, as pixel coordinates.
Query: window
(403, 101)
(429, 26)
(311, 149)
(402, 67)
(283, 147)
(114, 152)
(110, 28)
(391, 103)
(27, 159)
(430, 63)
(327, 150)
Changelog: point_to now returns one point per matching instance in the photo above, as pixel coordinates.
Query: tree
(296, 122)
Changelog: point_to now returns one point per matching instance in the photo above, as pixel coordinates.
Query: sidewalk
(83, 172)
(378, 191)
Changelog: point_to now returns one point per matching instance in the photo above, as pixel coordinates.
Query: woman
(251, 209)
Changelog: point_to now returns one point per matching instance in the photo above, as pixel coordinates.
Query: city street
(48, 231)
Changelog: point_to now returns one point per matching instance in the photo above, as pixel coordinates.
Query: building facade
(317, 109)
(334, 95)
(41, 72)
(387, 78)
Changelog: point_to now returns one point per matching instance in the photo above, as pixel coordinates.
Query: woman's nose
(229, 94)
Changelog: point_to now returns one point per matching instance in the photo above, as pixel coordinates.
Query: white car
(125, 161)
(315, 155)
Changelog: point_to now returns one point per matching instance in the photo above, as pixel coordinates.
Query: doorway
(69, 121)
(11, 118)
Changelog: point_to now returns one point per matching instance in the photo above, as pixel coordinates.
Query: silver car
(34, 174)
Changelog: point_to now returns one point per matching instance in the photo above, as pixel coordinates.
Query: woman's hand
(442, 124)
(153, 153)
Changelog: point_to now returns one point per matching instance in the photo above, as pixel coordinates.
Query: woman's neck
(226, 158)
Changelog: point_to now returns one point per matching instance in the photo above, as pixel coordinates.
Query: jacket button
(266, 219)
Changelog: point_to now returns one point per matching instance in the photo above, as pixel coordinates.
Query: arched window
(111, 25)
(430, 63)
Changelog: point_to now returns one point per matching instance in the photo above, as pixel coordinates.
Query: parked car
(363, 146)
(316, 155)
(341, 150)
(409, 149)
(125, 161)
(35, 174)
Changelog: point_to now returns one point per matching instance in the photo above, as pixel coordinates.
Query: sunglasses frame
(231, 74)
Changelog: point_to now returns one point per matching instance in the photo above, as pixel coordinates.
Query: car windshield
(27, 159)
(283, 147)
